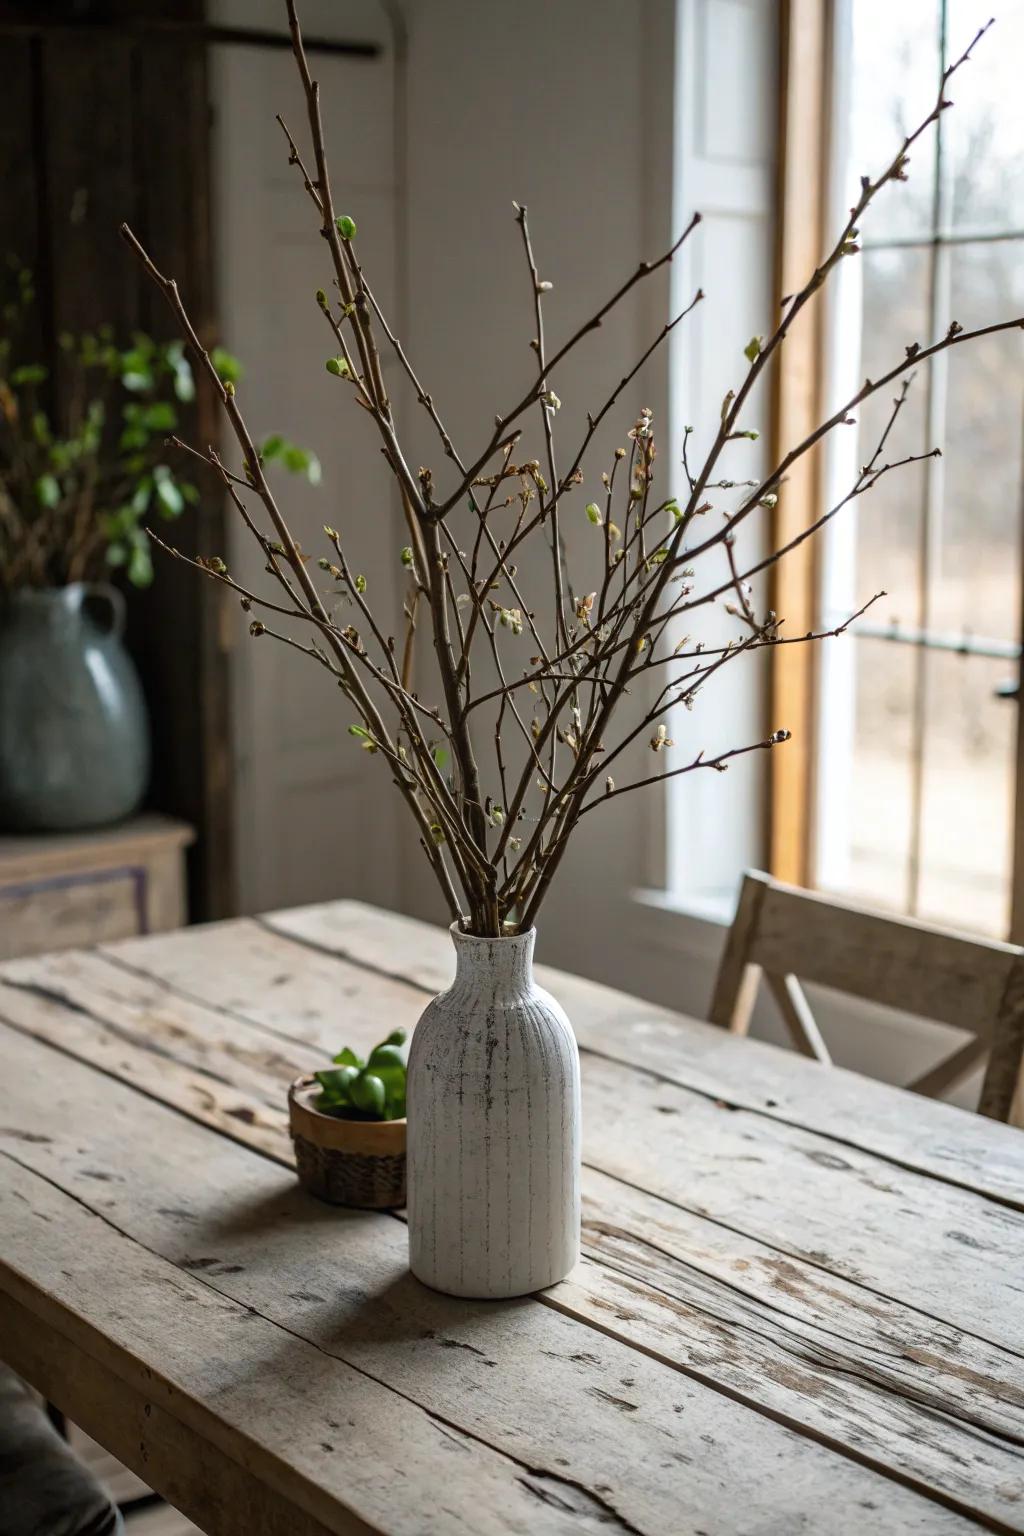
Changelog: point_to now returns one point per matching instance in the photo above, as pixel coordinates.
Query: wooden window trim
(803, 134)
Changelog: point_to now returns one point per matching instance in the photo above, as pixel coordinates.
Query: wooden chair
(973, 984)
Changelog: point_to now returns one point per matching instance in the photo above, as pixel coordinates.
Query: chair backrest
(975, 985)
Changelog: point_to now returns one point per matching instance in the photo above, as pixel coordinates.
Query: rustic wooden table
(801, 1306)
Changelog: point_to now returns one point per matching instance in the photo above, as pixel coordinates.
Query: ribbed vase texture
(494, 1129)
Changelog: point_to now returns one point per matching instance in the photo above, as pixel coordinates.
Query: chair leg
(796, 1013)
(732, 1001)
(1002, 1091)
(949, 1072)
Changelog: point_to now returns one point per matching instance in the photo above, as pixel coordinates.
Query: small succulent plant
(374, 1089)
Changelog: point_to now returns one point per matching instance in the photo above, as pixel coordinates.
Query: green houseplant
(373, 1089)
(85, 459)
(348, 1127)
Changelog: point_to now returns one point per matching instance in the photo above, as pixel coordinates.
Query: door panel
(309, 821)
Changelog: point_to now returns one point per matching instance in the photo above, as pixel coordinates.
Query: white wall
(313, 812)
(565, 107)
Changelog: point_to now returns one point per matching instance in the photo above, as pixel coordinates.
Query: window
(916, 758)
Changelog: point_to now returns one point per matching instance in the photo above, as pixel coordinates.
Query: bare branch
(495, 828)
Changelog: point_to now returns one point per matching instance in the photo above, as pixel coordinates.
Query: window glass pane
(966, 813)
(894, 82)
(917, 754)
(976, 586)
(894, 313)
(871, 790)
(984, 130)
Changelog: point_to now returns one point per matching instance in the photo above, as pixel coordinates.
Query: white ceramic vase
(494, 1129)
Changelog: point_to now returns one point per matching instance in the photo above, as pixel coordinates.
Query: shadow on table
(343, 1271)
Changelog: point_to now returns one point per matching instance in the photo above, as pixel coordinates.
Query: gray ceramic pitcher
(74, 740)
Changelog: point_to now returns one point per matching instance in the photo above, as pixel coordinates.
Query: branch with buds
(530, 703)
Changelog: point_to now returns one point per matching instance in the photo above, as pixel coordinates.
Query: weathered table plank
(704, 1155)
(316, 1433)
(231, 1499)
(953, 1425)
(842, 1105)
(949, 1253)
(611, 1435)
(259, 1118)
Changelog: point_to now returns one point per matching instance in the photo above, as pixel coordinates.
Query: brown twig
(606, 644)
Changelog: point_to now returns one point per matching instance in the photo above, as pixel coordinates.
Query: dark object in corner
(44, 1489)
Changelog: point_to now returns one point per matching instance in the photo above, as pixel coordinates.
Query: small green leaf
(339, 367)
(407, 557)
(29, 373)
(346, 227)
(367, 1093)
(160, 416)
(752, 350)
(228, 368)
(594, 513)
(177, 362)
(395, 1108)
(440, 758)
(143, 491)
(140, 566)
(385, 1057)
(360, 584)
(47, 491)
(273, 447)
(336, 1084)
(348, 1058)
(169, 499)
(396, 1037)
(299, 461)
(359, 731)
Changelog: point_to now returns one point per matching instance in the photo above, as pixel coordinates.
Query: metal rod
(934, 640)
(928, 542)
(1015, 932)
(199, 33)
(952, 237)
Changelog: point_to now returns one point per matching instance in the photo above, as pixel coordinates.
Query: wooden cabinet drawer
(62, 892)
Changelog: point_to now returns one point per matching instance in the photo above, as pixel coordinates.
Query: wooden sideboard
(66, 890)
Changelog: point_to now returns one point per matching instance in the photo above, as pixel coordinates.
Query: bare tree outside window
(917, 749)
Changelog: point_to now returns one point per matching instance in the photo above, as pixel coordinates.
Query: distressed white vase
(493, 1129)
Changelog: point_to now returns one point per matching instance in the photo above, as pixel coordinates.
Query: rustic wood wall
(104, 116)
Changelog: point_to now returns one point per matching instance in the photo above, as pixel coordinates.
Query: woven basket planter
(346, 1162)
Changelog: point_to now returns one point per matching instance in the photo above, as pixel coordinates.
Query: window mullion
(930, 540)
